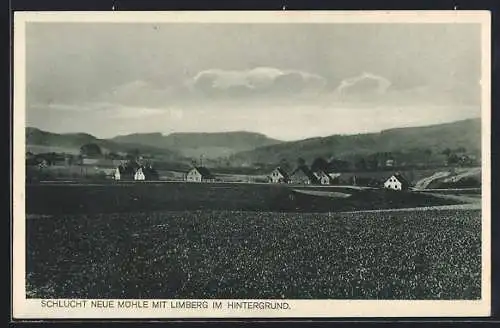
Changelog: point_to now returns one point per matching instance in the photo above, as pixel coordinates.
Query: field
(236, 254)
(224, 240)
(60, 198)
(37, 149)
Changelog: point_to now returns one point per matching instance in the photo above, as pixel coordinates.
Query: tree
(285, 165)
(113, 155)
(90, 150)
(360, 164)
(372, 163)
(446, 152)
(453, 159)
(301, 161)
(151, 173)
(133, 153)
(319, 164)
(340, 165)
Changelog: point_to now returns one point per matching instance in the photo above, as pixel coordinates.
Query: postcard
(279, 164)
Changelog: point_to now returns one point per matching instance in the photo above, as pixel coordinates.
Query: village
(142, 169)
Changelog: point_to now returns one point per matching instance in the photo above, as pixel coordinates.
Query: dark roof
(307, 172)
(401, 179)
(150, 172)
(205, 173)
(282, 172)
(322, 173)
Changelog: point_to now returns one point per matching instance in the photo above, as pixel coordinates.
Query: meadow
(243, 254)
(64, 198)
(230, 240)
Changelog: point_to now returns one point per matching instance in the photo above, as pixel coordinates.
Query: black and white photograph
(264, 164)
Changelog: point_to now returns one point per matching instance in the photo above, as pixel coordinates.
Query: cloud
(255, 82)
(364, 85)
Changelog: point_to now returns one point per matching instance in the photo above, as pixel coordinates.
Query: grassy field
(237, 254)
(135, 197)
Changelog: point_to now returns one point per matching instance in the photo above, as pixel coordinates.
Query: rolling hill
(239, 149)
(210, 145)
(42, 141)
(436, 138)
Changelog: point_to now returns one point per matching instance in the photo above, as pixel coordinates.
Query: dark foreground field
(237, 254)
(179, 196)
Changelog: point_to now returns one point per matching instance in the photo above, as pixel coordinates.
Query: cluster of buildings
(135, 171)
(302, 175)
(139, 174)
(142, 170)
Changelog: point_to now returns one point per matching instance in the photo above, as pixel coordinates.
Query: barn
(278, 175)
(323, 178)
(199, 174)
(303, 175)
(140, 173)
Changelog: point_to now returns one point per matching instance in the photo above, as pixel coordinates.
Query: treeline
(413, 159)
(91, 150)
(416, 158)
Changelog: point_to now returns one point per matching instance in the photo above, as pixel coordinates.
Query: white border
(31, 309)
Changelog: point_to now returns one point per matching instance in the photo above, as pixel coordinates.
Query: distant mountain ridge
(464, 133)
(207, 144)
(241, 148)
(73, 141)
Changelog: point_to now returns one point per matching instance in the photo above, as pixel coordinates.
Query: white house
(117, 175)
(139, 175)
(396, 182)
(199, 174)
(278, 175)
(323, 178)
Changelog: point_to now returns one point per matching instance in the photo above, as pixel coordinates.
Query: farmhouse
(117, 174)
(278, 175)
(323, 178)
(397, 182)
(139, 174)
(389, 163)
(199, 174)
(302, 175)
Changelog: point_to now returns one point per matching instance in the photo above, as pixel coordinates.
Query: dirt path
(476, 206)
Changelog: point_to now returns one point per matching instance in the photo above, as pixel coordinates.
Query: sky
(288, 81)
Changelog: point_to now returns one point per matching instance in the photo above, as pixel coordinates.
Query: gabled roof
(282, 172)
(205, 173)
(320, 174)
(307, 172)
(334, 175)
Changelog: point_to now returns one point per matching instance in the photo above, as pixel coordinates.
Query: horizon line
(251, 132)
